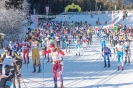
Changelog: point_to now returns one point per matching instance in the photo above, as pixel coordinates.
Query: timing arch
(73, 6)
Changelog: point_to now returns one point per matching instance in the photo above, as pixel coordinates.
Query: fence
(94, 12)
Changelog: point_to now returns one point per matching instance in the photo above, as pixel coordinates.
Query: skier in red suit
(25, 47)
(56, 54)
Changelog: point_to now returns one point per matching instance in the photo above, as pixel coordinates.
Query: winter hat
(7, 49)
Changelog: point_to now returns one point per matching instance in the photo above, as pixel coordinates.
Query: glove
(102, 55)
(59, 73)
(14, 61)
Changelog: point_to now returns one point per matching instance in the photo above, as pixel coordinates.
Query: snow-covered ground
(102, 17)
(85, 71)
(128, 21)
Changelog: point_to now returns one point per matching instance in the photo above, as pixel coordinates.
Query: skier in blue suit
(106, 53)
(103, 41)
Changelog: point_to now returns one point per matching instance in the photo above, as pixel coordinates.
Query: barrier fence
(65, 14)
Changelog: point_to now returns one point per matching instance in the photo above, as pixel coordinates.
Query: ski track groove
(106, 79)
(98, 59)
(110, 76)
(72, 58)
(80, 58)
(92, 74)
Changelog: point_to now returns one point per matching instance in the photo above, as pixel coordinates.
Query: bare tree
(11, 21)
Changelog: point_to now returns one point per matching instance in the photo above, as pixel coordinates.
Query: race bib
(106, 50)
(0, 69)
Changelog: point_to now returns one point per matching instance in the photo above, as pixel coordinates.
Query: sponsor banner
(49, 16)
(61, 16)
(43, 16)
(39, 16)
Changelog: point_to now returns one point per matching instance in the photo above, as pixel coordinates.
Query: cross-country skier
(56, 54)
(57, 38)
(106, 53)
(35, 55)
(119, 49)
(25, 47)
(127, 51)
(85, 41)
(103, 41)
(11, 63)
(67, 43)
(77, 46)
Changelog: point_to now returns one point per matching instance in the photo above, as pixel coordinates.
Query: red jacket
(49, 51)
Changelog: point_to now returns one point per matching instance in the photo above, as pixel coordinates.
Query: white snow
(86, 71)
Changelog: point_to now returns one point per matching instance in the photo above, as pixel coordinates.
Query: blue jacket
(106, 50)
(125, 28)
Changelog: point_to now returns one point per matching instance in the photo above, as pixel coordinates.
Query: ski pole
(24, 83)
(43, 69)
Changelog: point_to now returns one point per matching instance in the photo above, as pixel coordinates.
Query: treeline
(58, 6)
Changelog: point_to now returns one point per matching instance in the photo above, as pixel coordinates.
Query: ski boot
(105, 64)
(108, 65)
(51, 61)
(24, 62)
(62, 86)
(39, 69)
(129, 62)
(55, 86)
(28, 62)
(48, 60)
(125, 61)
(122, 68)
(34, 70)
(14, 87)
(118, 68)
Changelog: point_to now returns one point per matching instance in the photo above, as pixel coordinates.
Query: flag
(47, 10)
(112, 22)
(34, 11)
(115, 7)
(100, 7)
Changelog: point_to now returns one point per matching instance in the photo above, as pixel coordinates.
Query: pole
(69, 46)
(43, 71)
(95, 6)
